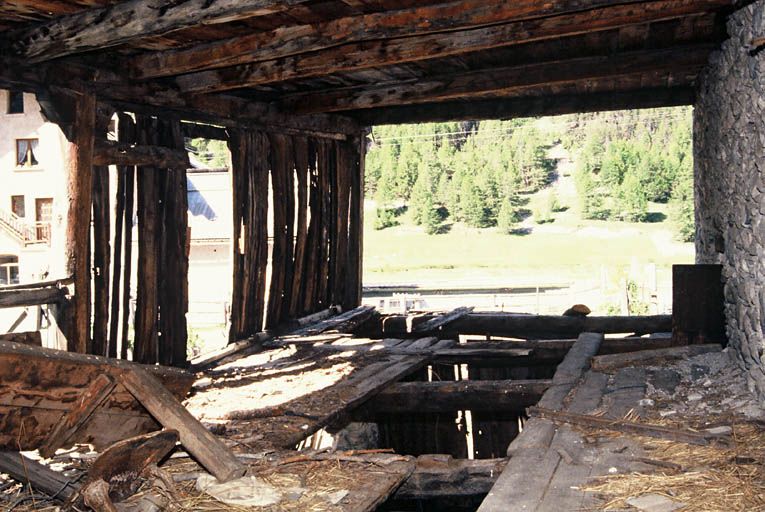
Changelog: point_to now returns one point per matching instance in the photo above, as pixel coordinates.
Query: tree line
(481, 173)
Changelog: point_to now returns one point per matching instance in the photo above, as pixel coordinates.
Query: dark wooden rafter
(482, 83)
(333, 58)
(344, 34)
(129, 21)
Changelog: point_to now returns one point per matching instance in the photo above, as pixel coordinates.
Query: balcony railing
(23, 232)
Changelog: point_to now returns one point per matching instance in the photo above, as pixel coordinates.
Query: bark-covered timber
(119, 214)
(540, 326)
(281, 256)
(342, 190)
(79, 190)
(312, 241)
(101, 259)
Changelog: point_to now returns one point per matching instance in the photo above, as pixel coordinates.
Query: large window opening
(26, 151)
(15, 102)
(9, 269)
(530, 215)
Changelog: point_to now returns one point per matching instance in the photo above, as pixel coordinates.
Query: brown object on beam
(27, 471)
(698, 314)
(79, 190)
(33, 338)
(643, 429)
(210, 451)
(120, 153)
(71, 422)
(448, 396)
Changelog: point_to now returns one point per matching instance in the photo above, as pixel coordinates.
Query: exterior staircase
(25, 234)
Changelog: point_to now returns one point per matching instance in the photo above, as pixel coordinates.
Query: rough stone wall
(729, 152)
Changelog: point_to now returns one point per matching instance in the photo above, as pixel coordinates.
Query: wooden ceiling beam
(129, 21)
(287, 41)
(355, 56)
(527, 107)
(500, 81)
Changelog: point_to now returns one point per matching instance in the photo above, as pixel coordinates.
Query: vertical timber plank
(278, 252)
(309, 277)
(148, 249)
(127, 274)
(259, 153)
(289, 226)
(101, 250)
(324, 226)
(355, 224)
(301, 173)
(342, 195)
(119, 213)
(237, 146)
(79, 189)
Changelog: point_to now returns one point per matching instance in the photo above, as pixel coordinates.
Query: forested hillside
(482, 173)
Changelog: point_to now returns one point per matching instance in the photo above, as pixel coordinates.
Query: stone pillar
(729, 154)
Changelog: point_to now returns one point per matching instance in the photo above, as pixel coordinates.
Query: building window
(43, 218)
(17, 206)
(26, 151)
(15, 102)
(9, 269)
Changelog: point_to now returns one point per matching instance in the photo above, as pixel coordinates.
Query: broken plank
(40, 477)
(448, 396)
(643, 429)
(443, 319)
(343, 322)
(645, 357)
(421, 344)
(211, 452)
(76, 417)
(441, 476)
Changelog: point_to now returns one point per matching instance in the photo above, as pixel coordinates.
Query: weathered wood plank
(128, 21)
(211, 452)
(447, 396)
(501, 80)
(341, 323)
(119, 217)
(40, 477)
(16, 298)
(120, 153)
(74, 419)
(353, 278)
(297, 295)
(644, 357)
(385, 52)
(126, 275)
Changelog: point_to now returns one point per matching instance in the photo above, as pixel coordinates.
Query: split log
(539, 326)
(124, 153)
(17, 298)
(646, 357)
(631, 427)
(441, 476)
(211, 452)
(71, 422)
(449, 396)
(33, 338)
(40, 477)
(443, 319)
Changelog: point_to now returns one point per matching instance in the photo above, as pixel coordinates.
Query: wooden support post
(279, 254)
(325, 197)
(210, 451)
(312, 240)
(357, 150)
(126, 279)
(297, 295)
(76, 417)
(119, 214)
(79, 188)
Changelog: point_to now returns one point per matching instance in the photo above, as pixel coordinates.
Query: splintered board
(284, 395)
(39, 385)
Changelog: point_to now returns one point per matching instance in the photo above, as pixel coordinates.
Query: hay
(709, 478)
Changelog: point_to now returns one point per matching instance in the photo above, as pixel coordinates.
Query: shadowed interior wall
(729, 153)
